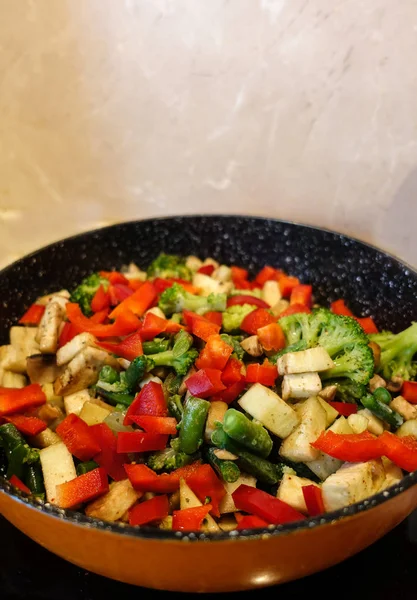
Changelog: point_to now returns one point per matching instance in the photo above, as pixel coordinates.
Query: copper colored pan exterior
(210, 566)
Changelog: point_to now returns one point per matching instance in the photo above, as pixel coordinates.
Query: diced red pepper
(129, 348)
(14, 400)
(287, 284)
(14, 480)
(409, 391)
(214, 317)
(120, 292)
(78, 438)
(240, 299)
(256, 319)
(339, 308)
(313, 499)
(251, 522)
(101, 316)
(144, 479)
(401, 450)
(206, 269)
(135, 284)
(108, 458)
(138, 441)
(294, 309)
(125, 323)
(138, 303)
(27, 425)
(242, 284)
(152, 326)
(114, 277)
(161, 425)
(264, 505)
(232, 372)
(150, 511)
(69, 331)
(203, 328)
(82, 489)
(190, 519)
(149, 401)
(264, 374)
(301, 294)
(271, 337)
(205, 484)
(344, 408)
(100, 300)
(161, 285)
(238, 272)
(33, 315)
(351, 447)
(367, 324)
(268, 274)
(205, 383)
(215, 353)
(113, 297)
(231, 392)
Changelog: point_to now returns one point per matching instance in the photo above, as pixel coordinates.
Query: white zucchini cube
(57, 467)
(325, 465)
(73, 347)
(408, 428)
(301, 385)
(189, 500)
(267, 407)
(75, 402)
(304, 361)
(93, 414)
(207, 285)
(331, 413)
(297, 446)
(359, 423)
(271, 293)
(290, 491)
(375, 425)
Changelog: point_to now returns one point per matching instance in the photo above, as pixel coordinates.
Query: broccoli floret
(300, 345)
(175, 299)
(356, 363)
(169, 460)
(397, 353)
(347, 390)
(234, 342)
(84, 293)
(175, 407)
(180, 358)
(233, 316)
(169, 265)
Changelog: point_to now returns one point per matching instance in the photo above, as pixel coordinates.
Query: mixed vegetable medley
(190, 397)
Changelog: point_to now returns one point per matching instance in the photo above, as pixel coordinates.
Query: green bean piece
(86, 467)
(192, 424)
(155, 346)
(115, 398)
(34, 480)
(247, 433)
(382, 395)
(18, 452)
(227, 469)
(382, 411)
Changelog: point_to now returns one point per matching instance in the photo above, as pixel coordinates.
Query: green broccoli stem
(382, 411)
(192, 424)
(155, 346)
(227, 469)
(248, 434)
(397, 352)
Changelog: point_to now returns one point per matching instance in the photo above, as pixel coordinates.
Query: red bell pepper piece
(352, 447)
(344, 408)
(206, 269)
(205, 484)
(152, 326)
(135, 284)
(264, 505)
(268, 274)
(240, 299)
(264, 374)
(367, 324)
(150, 511)
(287, 284)
(256, 319)
(200, 326)
(14, 480)
(82, 489)
(301, 294)
(409, 391)
(205, 383)
(68, 332)
(271, 337)
(119, 292)
(231, 393)
(78, 438)
(114, 277)
(251, 522)
(14, 400)
(125, 323)
(144, 479)
(401, 450)
(129, 348)
(214, 317)
(339, 308)
(108, 458)
(138, 303)
(238, 272)
(137, 441)
(27, 425)
(242, 284)
(149, 401)
(101, 316)
(215, 353)
(313, 499)
(161, 425)
(161, 285)
(294, 309)
(33, 315)
(190, 519)
(232, 372)
(100, 300)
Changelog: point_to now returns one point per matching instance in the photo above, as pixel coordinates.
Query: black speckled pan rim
(148, 533)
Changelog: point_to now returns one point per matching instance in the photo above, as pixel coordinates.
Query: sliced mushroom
(113, 505)
(42, 368)
(376, 382)
(395, 384)
(252, 346)
(82, 371)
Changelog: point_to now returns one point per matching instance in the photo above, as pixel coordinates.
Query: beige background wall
(302, 109)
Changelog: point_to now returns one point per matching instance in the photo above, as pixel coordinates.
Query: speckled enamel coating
(337, 266)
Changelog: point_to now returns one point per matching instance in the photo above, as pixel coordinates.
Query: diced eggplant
(113, 505)
(352, 483)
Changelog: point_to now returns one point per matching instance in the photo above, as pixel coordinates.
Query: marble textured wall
(302, 109)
